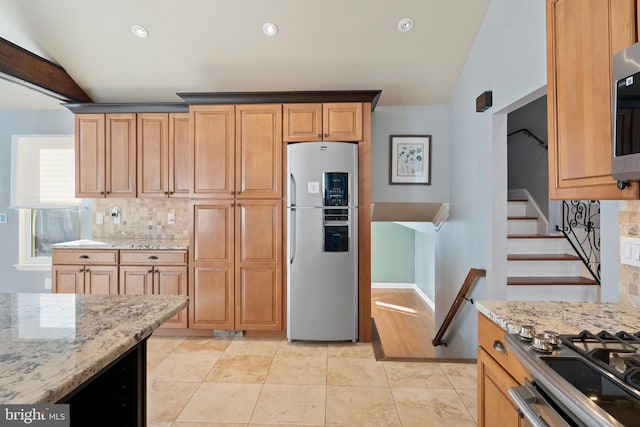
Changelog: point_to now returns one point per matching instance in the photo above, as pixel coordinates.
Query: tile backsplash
(629, 276)
(142, 218)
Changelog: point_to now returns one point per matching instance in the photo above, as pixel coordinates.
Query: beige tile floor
(224, 382)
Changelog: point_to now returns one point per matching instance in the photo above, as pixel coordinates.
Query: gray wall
(418, 120)
(22, 123)
(527, 161)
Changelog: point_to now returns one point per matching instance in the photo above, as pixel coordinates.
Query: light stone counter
(561, 317)
(50, 344)
(124, 243)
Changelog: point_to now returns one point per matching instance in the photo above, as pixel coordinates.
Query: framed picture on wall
(410, 159)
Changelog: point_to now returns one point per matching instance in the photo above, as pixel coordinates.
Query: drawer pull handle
(152, 257)
(84, 257)
(499, 347)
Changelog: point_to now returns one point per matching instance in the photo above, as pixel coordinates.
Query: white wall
(508, 58)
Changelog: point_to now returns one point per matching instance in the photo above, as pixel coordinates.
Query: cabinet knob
(319, 135)
(326, 135)
(150, 271)
(500, 347)
(103, 193)
(81, 270)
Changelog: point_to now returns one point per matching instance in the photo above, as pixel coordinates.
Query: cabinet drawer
(84, 256)
(491, 338)
(153, 257)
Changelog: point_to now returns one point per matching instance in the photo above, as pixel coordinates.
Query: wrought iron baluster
(581, 226)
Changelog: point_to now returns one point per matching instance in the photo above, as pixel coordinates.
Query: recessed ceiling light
(270, 29)
(140, 31)
(405, 24)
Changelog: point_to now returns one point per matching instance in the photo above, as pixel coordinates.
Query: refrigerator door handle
(292, 235)
(292, 190)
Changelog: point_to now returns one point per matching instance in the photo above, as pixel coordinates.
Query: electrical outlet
(3, 218)
(99, 218)
(171, 218)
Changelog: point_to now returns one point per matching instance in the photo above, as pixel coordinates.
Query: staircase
(542, 266)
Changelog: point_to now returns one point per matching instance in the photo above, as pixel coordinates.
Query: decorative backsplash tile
(142, 218)
(629, 276)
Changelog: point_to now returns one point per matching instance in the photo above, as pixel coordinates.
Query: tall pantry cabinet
(236, 247)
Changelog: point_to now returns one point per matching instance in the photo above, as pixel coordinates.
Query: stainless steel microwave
(625, 159)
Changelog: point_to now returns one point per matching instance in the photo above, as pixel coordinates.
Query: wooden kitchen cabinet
(318, 122)
(498, 371)
(105, 155)
(582, 37)
(236, 276)
(236, 151)
(155, 272)
(163, 154)
(90, 271)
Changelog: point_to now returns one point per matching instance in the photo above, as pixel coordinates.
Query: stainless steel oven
(579, 380)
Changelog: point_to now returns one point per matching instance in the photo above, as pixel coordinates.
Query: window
(43, 190)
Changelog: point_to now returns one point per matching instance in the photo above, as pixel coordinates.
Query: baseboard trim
(413, 286)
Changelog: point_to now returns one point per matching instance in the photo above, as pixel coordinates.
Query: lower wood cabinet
(132, 272)
(498, 371)
(236, 265)
(84, 271)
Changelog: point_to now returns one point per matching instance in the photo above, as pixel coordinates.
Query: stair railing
(581, 227)
(473, 275)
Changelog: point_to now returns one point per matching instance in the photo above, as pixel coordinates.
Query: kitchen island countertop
(51, 344)
(125, 243)
(561, 317)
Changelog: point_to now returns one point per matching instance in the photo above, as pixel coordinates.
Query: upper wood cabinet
(317, 122)
(105, 155)
(163, 155)
(582, 37)
(236, 151)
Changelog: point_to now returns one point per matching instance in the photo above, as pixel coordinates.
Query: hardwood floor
(404, 324)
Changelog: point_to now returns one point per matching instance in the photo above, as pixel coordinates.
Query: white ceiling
(218, 45)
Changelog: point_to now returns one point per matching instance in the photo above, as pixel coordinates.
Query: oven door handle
(526, 397)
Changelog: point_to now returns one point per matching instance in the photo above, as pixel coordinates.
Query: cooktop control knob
(541, 344)
(527, 332)
(553, 338)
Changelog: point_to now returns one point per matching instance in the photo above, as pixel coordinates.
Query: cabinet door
(153, 155)
(212, 152)
(342, 121)
(90, 155)
(302, 122)
(171, 281)
(258, 265)
(211, 281)
(258, 151)
(101, 279)
(582, 36)
(67, 279)
(120, 155)
(179, 155)
(495, 407)
(136, 280)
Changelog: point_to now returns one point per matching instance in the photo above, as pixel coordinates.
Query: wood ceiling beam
(30, 70)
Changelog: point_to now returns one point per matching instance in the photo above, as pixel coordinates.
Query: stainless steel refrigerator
(322, 230)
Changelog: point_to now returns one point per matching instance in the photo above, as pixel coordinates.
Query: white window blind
(42, 172)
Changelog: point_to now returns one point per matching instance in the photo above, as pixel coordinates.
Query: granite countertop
(124, 243)
(52, 343)
(561, 317)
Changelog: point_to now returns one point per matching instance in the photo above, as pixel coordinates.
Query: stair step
(542, 257)
(517, 200)
(522, 218)
(549, 280)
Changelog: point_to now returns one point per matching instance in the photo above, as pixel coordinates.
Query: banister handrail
(473, 275)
